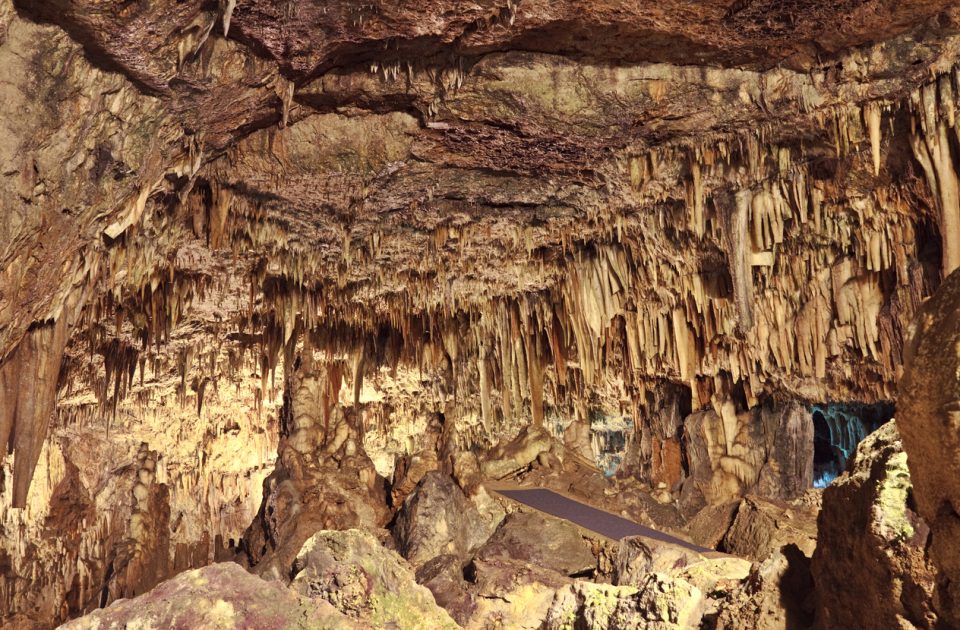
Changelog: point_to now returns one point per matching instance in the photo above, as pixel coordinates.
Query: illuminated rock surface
(268, 268)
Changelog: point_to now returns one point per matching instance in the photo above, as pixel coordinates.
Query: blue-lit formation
(609, 435)
(838, 429)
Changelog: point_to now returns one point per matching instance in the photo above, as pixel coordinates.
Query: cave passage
(837, 430)
(609, 436)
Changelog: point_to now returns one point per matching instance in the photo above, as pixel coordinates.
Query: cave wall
(461, 218)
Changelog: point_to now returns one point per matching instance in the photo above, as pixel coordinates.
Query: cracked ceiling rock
(466, 221)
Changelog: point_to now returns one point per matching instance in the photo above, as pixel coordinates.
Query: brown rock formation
(217, 596)
(870, 535)
(930, 419)
(323, 479)
(438, 519)
(265, 266)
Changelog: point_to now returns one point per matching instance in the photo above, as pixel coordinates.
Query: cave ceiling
(725, 195)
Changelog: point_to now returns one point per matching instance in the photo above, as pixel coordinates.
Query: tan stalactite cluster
(302, 270)
(179, 504)
(936, 106)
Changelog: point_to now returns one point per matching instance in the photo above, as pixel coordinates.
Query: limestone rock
(362, 579)
(275, 239)
(410, 469)
(713, 576)
(710, 524)
(438, 519)
(444, 576)
(637, 557)
(871, 566)
(217, 596)
(324, 480)
(511, 593)
(763, 526)
(540, 541)
(661, 602)
(514, 456)
(928, 418)
(777, 595)
(767, 450)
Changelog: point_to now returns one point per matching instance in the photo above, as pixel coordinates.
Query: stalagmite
(618, 269)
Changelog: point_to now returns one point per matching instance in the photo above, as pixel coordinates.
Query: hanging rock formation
(274, 268)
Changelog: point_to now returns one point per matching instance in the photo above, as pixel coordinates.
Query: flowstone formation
(274, 268)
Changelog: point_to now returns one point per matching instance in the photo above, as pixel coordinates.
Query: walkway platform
(590, 518)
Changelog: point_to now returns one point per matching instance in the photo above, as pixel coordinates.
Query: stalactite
(931, 146)
(739, 255)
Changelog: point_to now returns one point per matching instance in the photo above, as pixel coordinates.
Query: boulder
(777, 595)
(928, 413)
(512, 593)
(871, 566)
(438, 519)
(637, 557)
(365, 581)
(711, 524)
(540, 541)
(516, 455)
(661, 602)
(763, 526)
(217, 596)
(444, 576)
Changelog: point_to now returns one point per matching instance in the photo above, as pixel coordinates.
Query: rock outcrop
(777, 595)
(365, 581)
(929, 421)
(762, 527)
(218, 596)
(870, 536)
(661, 602)
(438, 519)
(541, 541)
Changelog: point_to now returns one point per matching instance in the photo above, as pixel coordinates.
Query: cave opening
(609, 436)
(837, 430)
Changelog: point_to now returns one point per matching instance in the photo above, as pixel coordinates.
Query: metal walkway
(590, 518)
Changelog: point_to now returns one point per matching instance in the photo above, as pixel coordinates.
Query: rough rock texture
(444, 576)
(542, 541)
(767, 450)
(778, 595)
(714, 576)
(929, 412)
(762, 527)
(217, 596)
(661, 602)
(354, 572)
(323, 479)
(641, 231)
(711, 524)
(870, 536)
(512, 593)
(637, 557)
(438, 519)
